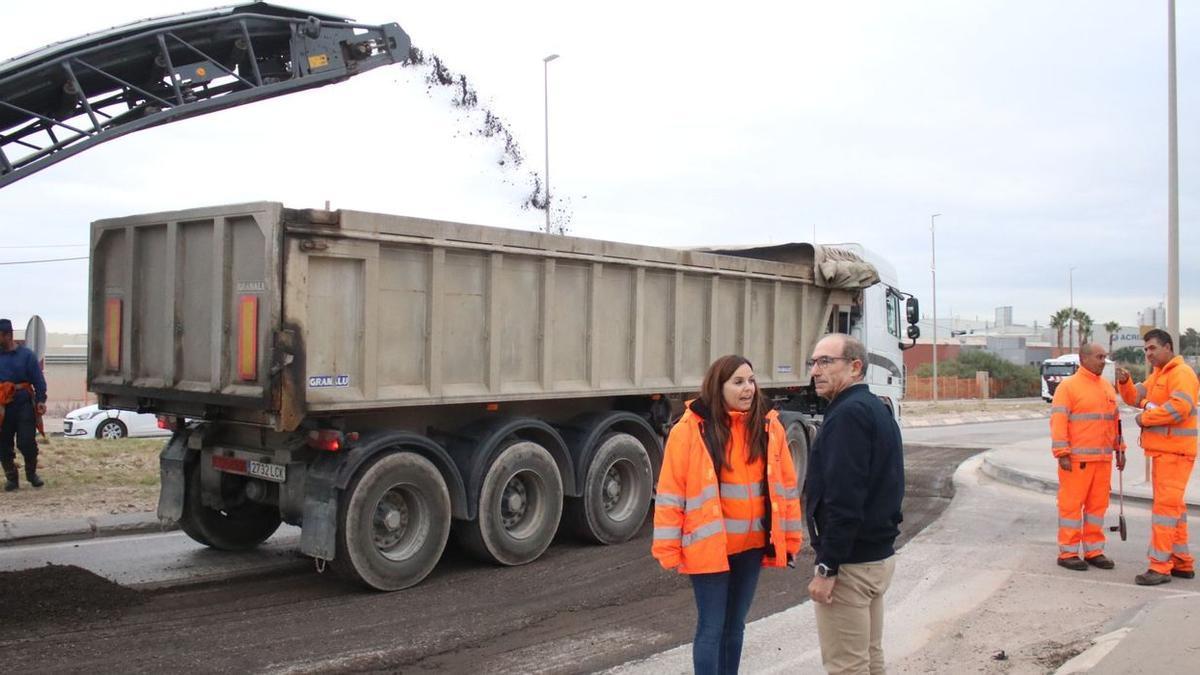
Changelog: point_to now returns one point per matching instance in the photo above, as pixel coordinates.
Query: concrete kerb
(30, 530)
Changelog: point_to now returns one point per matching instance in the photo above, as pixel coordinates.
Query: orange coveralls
(1084, 425)
(1169, 438)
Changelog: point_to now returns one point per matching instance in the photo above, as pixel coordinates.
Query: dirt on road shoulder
(87, 478)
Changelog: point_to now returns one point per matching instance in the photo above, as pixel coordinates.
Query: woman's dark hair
(712, 395)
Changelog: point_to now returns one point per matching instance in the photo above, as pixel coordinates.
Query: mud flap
(318, 532)
(171, 463)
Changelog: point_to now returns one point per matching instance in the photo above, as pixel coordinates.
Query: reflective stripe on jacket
(1169, 398)
(691, 531)
(1084, 420)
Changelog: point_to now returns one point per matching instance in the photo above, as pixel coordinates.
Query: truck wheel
(393, 523)
(616, 491)
(519, 507)
(240, 528)
(797, 441)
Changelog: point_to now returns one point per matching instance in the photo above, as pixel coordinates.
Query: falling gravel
(489, 125)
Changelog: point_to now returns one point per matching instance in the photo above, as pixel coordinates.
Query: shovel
(1120, 526)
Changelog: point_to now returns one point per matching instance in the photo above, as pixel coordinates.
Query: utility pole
(1173, 180)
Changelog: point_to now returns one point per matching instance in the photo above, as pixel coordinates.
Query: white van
(1060, 368)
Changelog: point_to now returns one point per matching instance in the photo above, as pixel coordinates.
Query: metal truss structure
(65, 98)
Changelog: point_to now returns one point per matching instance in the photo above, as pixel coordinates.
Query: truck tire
(393, 523)
(616, 491)
(236, 529)
(520, 505)
(797, 440)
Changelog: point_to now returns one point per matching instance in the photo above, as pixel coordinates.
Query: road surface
(579, 608)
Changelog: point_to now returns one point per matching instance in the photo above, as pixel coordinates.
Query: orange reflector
(492, 407)
(248, 337)
(112, 334)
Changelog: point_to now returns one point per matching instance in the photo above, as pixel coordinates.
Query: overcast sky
(1038, 129)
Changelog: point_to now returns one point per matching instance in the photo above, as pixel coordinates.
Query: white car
(92, 422)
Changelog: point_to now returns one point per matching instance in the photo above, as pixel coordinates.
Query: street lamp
(1071, 314)
(933, 279)
(546, 100)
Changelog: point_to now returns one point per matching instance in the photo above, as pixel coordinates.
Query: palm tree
(1111, 328)
(1085, 325)
(1058, 321)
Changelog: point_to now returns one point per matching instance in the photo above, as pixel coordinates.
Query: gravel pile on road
(61, 594)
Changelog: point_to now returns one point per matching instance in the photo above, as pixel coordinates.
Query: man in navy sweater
(19, 368)
(853, 490)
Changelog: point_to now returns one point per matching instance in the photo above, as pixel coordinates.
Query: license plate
(276, 473)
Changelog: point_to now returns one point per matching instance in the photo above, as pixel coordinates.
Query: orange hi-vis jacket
(1169, 398)
(1084, 420)
(699, 521)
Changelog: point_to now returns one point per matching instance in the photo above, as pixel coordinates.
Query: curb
(31, 531)
(1029, 481)
(953, 420)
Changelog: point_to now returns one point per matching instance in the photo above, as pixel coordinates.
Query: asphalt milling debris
(60, 595)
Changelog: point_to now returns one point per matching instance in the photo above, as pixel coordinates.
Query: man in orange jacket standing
(1084, 434)
(1168, 422)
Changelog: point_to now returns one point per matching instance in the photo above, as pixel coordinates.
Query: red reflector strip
(229, 464)
(112, 334)
(248, 337)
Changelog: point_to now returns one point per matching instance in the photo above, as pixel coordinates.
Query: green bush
(1014, 381)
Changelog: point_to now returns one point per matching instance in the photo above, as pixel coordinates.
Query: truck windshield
(1058, 369)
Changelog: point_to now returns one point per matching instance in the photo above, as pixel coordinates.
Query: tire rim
(110, 431)
(400, 523)
(521, 504)
(616, 493)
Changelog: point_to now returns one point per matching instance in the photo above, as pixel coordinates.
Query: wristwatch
(823, 570)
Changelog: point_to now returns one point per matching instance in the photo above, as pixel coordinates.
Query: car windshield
(1059, 369)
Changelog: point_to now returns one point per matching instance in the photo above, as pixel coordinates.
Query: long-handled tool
(1120, 526)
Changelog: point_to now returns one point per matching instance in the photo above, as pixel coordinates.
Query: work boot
(10, 475)
(1101, 561)
(1152, 578)
(1184, 574)
(1073, 563)
(31, 473)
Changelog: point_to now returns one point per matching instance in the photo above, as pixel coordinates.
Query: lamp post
(933, 279)
(546, 101)
(1071, 314)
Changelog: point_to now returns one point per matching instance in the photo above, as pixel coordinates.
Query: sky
(1038, 130)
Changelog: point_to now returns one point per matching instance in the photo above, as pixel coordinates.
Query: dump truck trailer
(384, 382)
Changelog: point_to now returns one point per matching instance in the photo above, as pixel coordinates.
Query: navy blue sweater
(855, 481)
(21, 365)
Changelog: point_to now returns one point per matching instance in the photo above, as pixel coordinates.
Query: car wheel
(111, 429)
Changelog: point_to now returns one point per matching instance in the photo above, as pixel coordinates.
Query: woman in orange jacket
(727, 505)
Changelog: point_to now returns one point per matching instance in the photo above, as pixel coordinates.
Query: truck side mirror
(914, 332)
(913, 310)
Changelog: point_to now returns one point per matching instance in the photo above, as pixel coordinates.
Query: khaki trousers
(851, 629)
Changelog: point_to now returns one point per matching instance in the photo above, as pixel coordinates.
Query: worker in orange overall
(1084, 435)
(1168, 421)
